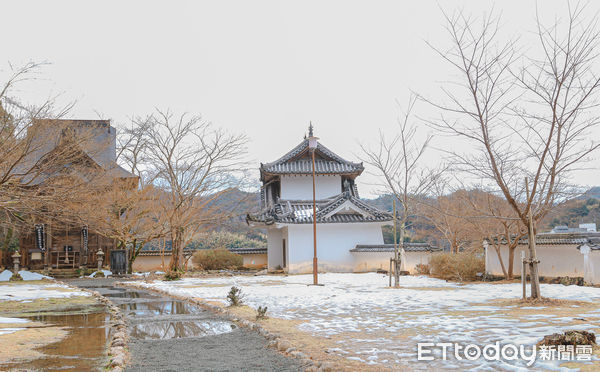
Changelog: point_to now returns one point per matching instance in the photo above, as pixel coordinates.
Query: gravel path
(170, 335)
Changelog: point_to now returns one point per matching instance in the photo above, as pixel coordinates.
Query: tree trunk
(533, 264)
(501, 261)
(511, 261)
(397, 267)
(176, 250)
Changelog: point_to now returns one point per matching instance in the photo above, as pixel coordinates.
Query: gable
(346, 208)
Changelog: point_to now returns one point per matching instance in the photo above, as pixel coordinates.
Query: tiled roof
(562, 238)
(408, 247)
(167, 252)
(300, 211)
(573, 238)
(327, 163)
(248, 250)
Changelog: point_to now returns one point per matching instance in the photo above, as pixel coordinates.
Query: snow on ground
(379, 325)
(25, 275)
(28, 275)
(5, 275)
(105, 272)
(28, 292)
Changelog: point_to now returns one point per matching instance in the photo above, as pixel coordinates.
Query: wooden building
(55, 244)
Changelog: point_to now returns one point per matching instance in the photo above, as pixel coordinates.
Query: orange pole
(315, 275)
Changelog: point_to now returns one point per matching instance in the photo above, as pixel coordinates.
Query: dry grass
(544, 301)
(48, 306)
(217, 259)
(462, 266)
(22, 345)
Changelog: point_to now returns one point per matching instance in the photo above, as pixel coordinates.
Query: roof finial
(310, 130)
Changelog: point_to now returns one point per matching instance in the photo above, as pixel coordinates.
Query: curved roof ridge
(331, 164)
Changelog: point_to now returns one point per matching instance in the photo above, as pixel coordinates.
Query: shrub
(422, 269)
(462, 266)
(261, 313)
(235, 296)
(217, 259)
(172, 275)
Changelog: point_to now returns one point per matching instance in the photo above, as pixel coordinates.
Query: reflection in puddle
(162, 330)
(159, 308)
(129, 294)
(81, 350)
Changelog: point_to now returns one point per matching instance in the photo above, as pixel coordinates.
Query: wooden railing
(65, 259)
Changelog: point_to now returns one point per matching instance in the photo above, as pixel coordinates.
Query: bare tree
(129, 214)
(132, 148)
(449, 214)
(496, 222)
(398, 160)
(41, 163)
(528, 116)
(195, 165)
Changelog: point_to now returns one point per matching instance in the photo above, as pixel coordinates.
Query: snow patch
(28, 275)
(5, 275)
(105, 272)
(12, 320)
(27, 292)
(7, 331)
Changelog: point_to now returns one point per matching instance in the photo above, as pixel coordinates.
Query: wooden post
(524, 274)
(162, 253)
(315, 264)
(396, 273)
(48, 253)
(390, 272)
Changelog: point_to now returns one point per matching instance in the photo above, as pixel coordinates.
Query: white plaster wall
(300, 187)
(153, 263)
(373, 261)
(255, 260)
(334, 242)
(555, 260)
(595, 258)
(274, 248)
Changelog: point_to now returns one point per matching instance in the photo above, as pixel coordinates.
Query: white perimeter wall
(594, 276)
(300, 187)
(372, 261)
(334, 242)
(555, 260)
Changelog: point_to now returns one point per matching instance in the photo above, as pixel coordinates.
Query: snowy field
(382, 326)
(30, 292)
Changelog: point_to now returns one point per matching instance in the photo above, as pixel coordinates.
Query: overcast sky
(265, 68)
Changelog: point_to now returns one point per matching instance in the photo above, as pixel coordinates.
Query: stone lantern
(16, 260)
(100, 255)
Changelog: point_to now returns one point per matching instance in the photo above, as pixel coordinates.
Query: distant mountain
(593, 193)
(383, 202)
(582, 209)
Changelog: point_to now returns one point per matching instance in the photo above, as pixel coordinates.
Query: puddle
(162, 330)
(129, 294)
(159, 308)
(81, 350)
